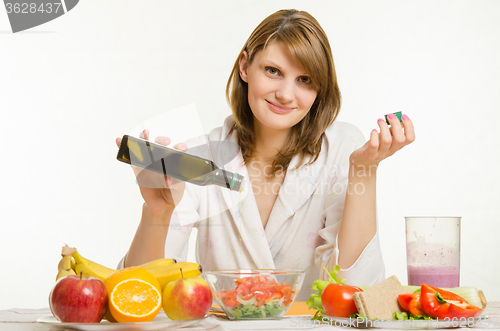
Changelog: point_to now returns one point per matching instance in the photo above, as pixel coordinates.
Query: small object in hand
(398, 115)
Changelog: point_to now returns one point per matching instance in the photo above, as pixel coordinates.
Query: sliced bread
(380, 301)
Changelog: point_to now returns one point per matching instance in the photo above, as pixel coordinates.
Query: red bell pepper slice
(415, 305)
(404, 300)
(443, 304)
(411, 302)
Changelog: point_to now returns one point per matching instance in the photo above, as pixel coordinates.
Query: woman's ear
(244, 66)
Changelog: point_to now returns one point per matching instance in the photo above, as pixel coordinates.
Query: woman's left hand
(384, 143)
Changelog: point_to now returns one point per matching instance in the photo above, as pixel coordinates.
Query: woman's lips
(279, 109)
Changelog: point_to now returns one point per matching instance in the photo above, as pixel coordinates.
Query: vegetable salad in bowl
(255, 293)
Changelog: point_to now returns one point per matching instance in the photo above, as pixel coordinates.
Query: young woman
(310, 196)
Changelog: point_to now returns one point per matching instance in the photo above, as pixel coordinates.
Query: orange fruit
(134, 300)
(134, 295)
(130, 273)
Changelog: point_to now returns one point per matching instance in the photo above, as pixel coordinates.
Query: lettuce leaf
(409, 316)
(270, 309)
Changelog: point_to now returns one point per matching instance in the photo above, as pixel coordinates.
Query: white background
(69, 87)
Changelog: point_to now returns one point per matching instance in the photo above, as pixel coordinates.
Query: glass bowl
(255, 293)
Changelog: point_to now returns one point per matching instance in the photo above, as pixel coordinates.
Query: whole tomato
(337, 300)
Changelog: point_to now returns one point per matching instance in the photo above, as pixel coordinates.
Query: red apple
(187, 298)
(79, 299)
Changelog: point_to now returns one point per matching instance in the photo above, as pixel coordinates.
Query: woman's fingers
(386, 143)
(144, 134)
(374, 141)
(398, 136)
(409, 131)
(148, 179)
(385, 137)
(394, 137)
(181, 146)
(165, 141)
(373, 145)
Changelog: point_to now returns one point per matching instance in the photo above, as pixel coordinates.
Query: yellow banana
(162, 268)
(60, 265)
(65, 268)
(90, 268)
(169, 273)
(157, 263)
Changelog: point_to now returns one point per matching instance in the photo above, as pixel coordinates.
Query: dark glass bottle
(176, 164)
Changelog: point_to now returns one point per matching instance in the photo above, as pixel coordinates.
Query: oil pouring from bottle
(176, 164)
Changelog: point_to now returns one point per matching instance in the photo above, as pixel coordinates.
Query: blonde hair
(308, 43)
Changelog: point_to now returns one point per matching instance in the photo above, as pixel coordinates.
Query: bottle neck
(227, 179)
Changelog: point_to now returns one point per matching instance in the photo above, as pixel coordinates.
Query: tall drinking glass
(433, 251)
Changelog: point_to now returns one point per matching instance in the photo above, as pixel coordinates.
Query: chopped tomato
(261, 299)
(247, 297)
(243, 289)
(286, 290)
(274, 296)
(231, 303)
(259, 287)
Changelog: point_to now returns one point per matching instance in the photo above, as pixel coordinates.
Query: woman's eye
(272, 71)
(305, 80)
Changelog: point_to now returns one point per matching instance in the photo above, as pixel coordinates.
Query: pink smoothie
(434, 276)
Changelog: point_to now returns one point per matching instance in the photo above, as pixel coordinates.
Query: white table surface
(26, 319)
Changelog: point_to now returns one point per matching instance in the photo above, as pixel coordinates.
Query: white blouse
(302, 230)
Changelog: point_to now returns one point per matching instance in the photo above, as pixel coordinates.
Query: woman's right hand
(160, 193)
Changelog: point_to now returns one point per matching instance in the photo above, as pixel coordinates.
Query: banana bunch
(165, 270)
(66, 266)
(170, 273)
